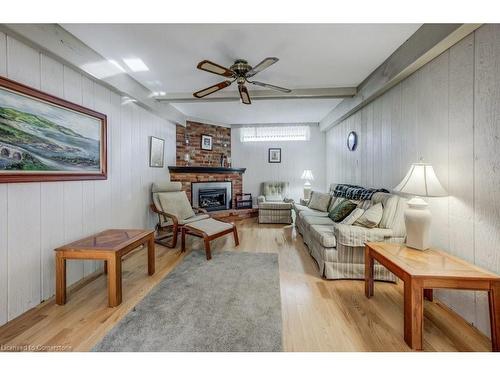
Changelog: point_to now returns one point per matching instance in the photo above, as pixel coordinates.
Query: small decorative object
(352, 141)
(44, 138)
(420, 181)
(156, 150)
(187, 159)
(274, 155)
(206, 142)
(308, 176)
(229, 162)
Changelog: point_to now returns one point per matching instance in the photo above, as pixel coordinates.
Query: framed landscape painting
(156, 150)
(44, 138)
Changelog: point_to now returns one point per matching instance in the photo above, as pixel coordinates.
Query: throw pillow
(319, 201)
(353, 216)
(372, 216)
(341, 211)
(176, 203)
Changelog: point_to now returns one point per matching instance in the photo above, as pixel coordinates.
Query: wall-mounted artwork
(44, 138)
(206, 142)
(156, 152)
(274, 155)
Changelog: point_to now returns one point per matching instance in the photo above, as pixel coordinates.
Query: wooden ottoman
(208, 229)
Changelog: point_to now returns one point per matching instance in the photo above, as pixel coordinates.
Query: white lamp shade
(307, 175)
(421, 180)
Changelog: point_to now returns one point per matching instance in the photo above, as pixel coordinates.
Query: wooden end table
(109, 246)
(423, 271)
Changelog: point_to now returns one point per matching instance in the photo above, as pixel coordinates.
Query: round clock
(352, 141)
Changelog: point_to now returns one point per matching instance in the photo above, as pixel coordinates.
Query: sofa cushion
(319, 201)
(341, 211)
(352, 235)
(324, 235)
(353, 216)
(310, 212)
(317, 220)
(177, 204)
(371, 217)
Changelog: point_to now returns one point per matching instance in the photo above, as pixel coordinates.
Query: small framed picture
(206, 142)
(274, 155)
(156, 150)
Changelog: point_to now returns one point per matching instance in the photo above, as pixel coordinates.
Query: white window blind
(274, 133)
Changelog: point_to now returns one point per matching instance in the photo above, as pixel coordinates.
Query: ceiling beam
(228, 96)
(58, 43)
(428, 42)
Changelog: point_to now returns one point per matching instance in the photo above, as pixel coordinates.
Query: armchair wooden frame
(176, 227)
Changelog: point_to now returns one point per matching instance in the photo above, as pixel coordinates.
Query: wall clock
(352, 141)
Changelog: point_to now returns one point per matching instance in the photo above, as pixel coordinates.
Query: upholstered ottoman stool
(275, 212)
(208, 229)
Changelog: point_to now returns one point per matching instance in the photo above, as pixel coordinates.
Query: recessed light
(103, 69)
(136, 65)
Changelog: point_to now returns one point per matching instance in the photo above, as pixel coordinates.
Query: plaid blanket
(356, 192)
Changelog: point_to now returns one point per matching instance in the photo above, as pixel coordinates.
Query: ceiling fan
(240, 72)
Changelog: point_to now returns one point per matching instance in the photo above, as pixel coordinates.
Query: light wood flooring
(318, 314)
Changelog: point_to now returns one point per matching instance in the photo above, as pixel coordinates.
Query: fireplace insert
(212, 199)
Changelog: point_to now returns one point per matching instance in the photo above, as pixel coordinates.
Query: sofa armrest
(355, 236)
(261, 199)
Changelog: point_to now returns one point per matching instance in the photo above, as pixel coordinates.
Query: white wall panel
(448, 112)
(35, 218)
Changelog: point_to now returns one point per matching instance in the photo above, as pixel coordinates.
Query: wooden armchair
(172, 206)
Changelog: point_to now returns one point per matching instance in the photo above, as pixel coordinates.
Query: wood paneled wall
(447, 113)
(37, 217)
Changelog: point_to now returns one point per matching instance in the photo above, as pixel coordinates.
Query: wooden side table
(109, 246)
(423, 271)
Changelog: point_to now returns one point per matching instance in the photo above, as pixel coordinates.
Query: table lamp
(308, 176)
(420, 181)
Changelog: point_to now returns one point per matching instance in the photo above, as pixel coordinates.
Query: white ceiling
(311, 55)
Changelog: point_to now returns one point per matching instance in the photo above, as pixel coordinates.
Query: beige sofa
(338, 248)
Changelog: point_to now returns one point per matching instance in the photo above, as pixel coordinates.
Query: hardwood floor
(318, 315)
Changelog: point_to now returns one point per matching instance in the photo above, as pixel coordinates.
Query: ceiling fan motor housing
(241, 67)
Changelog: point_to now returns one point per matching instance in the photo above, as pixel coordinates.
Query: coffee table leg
(60, 280)
(151, 255)
(494, 299)
(413, 313)
(114, 281)
(369, 264)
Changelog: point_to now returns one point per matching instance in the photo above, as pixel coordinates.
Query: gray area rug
(230, 303)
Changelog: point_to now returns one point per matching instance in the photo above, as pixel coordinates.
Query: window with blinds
(274, 133)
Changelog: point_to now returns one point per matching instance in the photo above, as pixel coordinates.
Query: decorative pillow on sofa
(341, 211)
(319, 201)
(353, 216)
(371, 217)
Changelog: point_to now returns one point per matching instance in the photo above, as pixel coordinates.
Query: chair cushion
(210, 226)
(371, 217)
(274, 198)
(275, 206)
(319, 201)
(341, 211)
(177, 204)
(353, 216)
(324, 234)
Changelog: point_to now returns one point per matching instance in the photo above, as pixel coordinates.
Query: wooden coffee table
(109, 246)
(423, 271)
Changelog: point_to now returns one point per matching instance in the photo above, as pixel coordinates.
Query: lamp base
(307, 190)
(418, 222)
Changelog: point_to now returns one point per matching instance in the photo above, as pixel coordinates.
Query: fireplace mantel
(200, 169)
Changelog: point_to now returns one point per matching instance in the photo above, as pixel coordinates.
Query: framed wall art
(156, 152)
(207, 142)
(45, 138)
(274, 155)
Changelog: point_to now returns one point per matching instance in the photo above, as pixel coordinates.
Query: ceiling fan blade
(245, 97)
(273, 87)
(212, 67)
(264, 64)
(211, 89)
